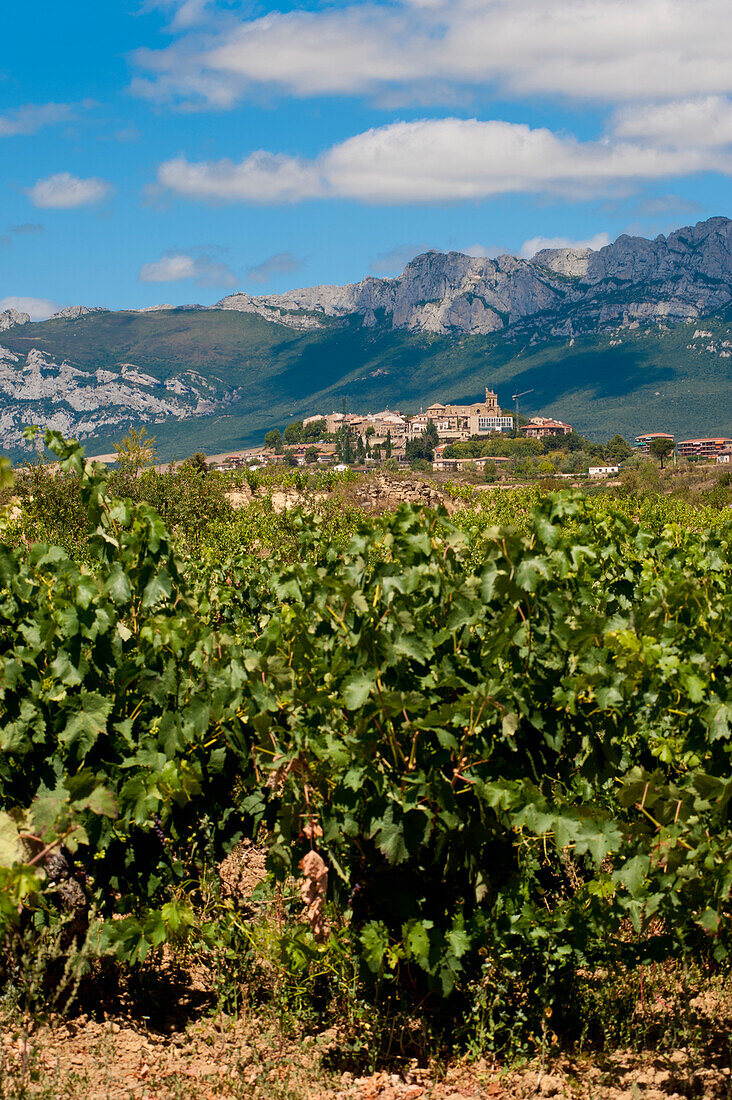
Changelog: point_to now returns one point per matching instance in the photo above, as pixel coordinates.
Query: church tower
(491, 403)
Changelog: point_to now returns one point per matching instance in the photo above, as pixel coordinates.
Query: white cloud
(169, 269)
(175, 267)
(38, 308)
(64, 191)
(260, 177)
(282, 263)
(186, 13)
(535, 244)
(189, 13)
(704, 123)
(613, 50)
(448, 159)
(32, 117)
(438, 160)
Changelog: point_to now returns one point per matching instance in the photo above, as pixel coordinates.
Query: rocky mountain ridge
(11, 317)
(567, 326)
(72, 313)
(681, 277)
(36, 388)
(562, 291)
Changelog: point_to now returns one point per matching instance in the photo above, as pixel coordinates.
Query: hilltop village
(480, 436)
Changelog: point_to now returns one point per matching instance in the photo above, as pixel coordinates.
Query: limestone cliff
(11, 317)
(36, 388)
(680, 277)
(72, 313)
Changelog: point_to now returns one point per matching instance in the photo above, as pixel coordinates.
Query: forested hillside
(230, 376)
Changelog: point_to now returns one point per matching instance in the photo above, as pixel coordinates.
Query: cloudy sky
(173, 150)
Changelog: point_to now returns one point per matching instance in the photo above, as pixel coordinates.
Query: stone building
(540, 426)
(462, 421)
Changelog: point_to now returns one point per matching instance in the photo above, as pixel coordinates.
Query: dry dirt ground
(122, 1055)
(250, 1058)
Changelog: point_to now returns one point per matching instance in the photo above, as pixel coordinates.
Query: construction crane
(515, 397)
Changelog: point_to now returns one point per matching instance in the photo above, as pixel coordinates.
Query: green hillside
(637, 380)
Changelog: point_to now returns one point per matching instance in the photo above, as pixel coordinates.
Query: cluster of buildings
(381, 423)
(389, 432)
(454, 423)
(717, 447)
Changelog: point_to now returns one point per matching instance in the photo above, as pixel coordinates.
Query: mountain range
(635, 336)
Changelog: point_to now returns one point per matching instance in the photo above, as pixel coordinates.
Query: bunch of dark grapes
(157, 830)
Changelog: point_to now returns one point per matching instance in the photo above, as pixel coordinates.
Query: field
(363, 788)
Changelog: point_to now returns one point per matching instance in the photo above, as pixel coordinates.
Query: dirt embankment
(382, 492)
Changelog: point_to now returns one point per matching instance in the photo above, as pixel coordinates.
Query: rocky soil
(383, 492)
(180, 1047)
(251, 1059)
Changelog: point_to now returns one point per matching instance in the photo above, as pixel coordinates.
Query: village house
(603, 471)
(441, 463)
(704, 448)
(455, 422)
(643, 442)
(381, 422)
(541, 426)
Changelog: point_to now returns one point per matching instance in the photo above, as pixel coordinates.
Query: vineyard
(485, 756)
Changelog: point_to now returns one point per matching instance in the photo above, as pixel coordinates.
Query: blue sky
(174, 150)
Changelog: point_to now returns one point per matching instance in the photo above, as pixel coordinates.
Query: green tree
(345, 448)
(660, 449)
(136, 451)
(316, 429)
(643, 479)
(273, 440)
(387, 446)
(573, 441)
(311, 454)
(617, 450)
(360, 450)
(419, 450)
(293, 432)
(430, 435)
(198, 462)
